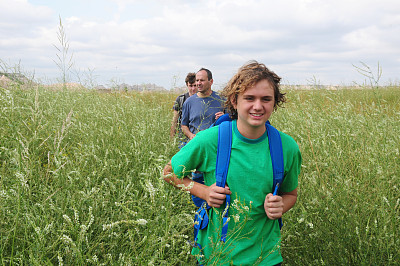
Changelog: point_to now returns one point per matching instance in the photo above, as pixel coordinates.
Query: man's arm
(174, 124)
(214, 195)
(186, 131)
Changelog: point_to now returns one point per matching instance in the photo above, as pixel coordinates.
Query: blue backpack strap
(221, 171)
(222, 166)
(223, 152)
(275, 148)
(223, 157)
(198, 201)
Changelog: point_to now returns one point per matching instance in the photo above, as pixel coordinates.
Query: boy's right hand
(216, 195)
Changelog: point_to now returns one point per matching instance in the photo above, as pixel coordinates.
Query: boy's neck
(250, 132)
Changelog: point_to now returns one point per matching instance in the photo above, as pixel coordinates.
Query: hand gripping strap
(222, 166)
(276, 151)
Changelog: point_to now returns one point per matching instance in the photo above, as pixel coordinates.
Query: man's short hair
(190, 78)
(209, 74)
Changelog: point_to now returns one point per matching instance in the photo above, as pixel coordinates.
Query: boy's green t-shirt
(252, 237)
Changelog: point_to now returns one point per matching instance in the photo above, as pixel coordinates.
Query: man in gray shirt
(203, 108)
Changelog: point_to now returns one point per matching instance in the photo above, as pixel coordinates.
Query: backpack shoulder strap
(223, 152)
(276, 151)
(182, 99)
(275, 148)
(222, 166)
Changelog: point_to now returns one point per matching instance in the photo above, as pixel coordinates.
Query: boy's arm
(276, 206)
(214, 195)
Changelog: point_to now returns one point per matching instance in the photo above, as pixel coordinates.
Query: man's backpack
(222, 166)
(180, 101)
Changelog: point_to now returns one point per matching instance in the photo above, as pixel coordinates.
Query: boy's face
(192, 88)
(254, 107)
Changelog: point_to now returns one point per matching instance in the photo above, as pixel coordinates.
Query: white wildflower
(66, 217)
(60, 260)
(141, 221)
(227, 221)
(109, 226)
(150, 188)
(47, 228)
(3, 194)
(24, 182)
(386, 200)
(66, 239)
(76, 214)
(225, 210)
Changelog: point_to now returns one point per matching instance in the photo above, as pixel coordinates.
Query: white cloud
(155, 40)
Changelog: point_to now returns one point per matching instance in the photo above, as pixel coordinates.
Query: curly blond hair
(246, 77)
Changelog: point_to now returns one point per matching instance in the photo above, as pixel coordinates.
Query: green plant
(85, 187)
(367, 72)
(64, 60)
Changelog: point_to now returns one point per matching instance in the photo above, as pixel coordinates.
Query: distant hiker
(201, 110)
(252, 95)
(176, 120)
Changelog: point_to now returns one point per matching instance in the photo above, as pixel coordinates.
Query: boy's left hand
(273, 206)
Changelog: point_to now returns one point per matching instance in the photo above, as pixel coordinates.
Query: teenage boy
(251, 97)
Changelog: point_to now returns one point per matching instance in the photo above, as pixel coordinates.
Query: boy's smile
(254, 108)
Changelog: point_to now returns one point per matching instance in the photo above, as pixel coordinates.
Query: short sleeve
(185, 114)
(292, 160)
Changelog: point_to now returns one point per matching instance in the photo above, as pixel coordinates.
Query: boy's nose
(257, 105)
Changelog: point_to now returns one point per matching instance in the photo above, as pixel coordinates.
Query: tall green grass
(80, 178)
(348, 212)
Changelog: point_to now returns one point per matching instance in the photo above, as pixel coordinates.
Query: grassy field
(80, 178)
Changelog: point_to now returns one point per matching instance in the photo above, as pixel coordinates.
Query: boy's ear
(234, 102)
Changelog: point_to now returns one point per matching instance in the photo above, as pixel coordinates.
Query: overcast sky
(148, 41)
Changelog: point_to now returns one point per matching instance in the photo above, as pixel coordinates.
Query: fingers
(218, 114)
(217, 195)
(273, 206)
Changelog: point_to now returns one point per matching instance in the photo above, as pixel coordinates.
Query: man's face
(192, 88)
(203, 84)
